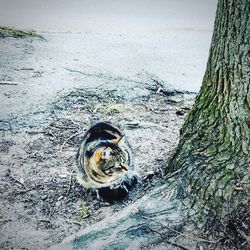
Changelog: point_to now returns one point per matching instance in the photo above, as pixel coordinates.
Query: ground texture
(41, 201)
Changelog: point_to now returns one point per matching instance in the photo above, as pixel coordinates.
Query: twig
(24, 191)
(44, 220)
(243, 235)
(71, 137)
(42, 38)
(63, 127)
(27, 69)
(143, 125)
(183, 234)
(49, 132)
(36, 132)
(169, 242)
(53, 135)
(10, 83)
(225, 231)
(74, 222)
(15, 179)
(23, 69)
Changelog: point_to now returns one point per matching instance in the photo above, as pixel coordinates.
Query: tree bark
(208, 175)
(213, 152)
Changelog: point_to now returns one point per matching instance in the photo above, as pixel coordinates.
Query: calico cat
(105, 159)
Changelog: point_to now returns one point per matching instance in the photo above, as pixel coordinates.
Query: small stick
(24, 191)
(51, 133)
(76, 222)
(10, 83)
(73, 222)
(71, 137)
(63, 127)
(15, 179)
(44, 220)
(144, 125)
(27, 69)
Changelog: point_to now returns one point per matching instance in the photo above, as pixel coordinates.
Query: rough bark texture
(213, 152)
(210, 168)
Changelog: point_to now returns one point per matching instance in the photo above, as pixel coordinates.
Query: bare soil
(41, 201)
(42, 121)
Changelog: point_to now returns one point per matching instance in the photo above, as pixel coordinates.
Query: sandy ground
(119, 39)
(41, 201)
(99, 61)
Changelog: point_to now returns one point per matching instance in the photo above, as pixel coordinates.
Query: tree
(207, 177)
(214, 149)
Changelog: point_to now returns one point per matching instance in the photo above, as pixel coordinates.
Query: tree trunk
(210, 167)
(213, 152)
